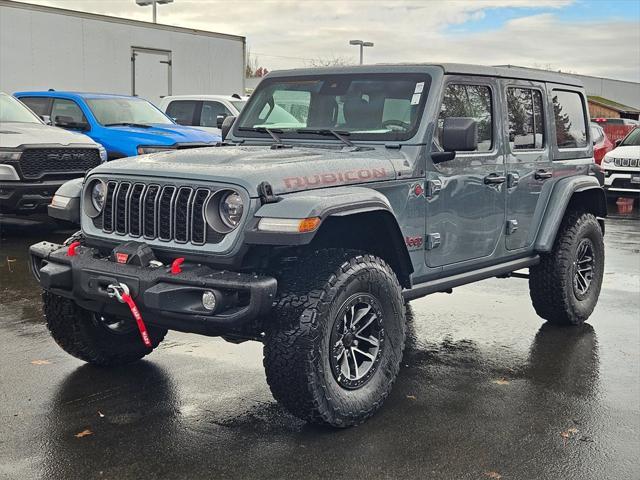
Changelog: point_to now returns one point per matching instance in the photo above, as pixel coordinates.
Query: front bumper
(620, 181)
(22, 197)
(167, 300)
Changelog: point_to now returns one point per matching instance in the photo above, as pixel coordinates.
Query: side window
(597, 134)
(571, 128)
(182, 111)
(67, 108)
(210, 112)
(526, 123)
(40, 105)
(472, 101)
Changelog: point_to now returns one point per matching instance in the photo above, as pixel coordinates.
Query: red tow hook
(121, 293)
(71, 251)
(176, 266)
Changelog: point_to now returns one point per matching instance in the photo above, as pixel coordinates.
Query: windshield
(633, 139)
(363, 106)
(239, 104)
(12, 110)
(123, 111)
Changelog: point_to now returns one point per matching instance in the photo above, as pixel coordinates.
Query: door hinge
(512, 180)
(433, 187)
(512, 226)
(433, 241)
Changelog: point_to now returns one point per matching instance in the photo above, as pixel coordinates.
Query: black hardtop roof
(448, 68)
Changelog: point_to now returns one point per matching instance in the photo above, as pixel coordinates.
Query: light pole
(362, 45)
(154, 3)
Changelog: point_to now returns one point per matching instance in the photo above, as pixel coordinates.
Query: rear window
(182, 111)
(39, 105)
(526, 122)
(570, 119)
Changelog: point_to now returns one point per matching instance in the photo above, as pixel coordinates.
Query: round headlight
(231, 208)
(98, 190)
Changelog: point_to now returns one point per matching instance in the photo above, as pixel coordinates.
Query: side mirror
(68, 122)
(458, 134)
(46, 119)
(618, 142)
(220, 120)
(226, 125)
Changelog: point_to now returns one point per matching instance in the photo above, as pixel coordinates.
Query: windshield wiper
(271, 132)
(127, 124)
(339, 134)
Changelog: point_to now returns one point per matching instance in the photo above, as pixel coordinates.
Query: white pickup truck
(36, 159)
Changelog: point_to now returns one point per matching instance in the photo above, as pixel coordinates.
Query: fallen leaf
(40, 362)
(567, 434)
(84, 433)
(100, 414)
(501, 381)
(495, 475)
(411, 397)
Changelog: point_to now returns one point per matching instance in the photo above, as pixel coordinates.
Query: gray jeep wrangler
(337, 196)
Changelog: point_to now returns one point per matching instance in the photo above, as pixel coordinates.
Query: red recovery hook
(121, 293)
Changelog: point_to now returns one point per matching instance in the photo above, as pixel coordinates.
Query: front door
(465, 196)
(528, 161)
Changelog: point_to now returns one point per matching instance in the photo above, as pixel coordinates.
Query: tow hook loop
(121, 293)
(176, 266)
(71, 251)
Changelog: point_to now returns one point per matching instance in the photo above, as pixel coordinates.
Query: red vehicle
(601, 143)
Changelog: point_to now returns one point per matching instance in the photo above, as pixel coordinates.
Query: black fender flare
(580, 191)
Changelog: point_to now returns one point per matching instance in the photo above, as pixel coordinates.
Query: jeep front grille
(163, 212)
(36, 163)
(626, 162)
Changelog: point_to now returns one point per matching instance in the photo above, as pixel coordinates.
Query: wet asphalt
(487, 390)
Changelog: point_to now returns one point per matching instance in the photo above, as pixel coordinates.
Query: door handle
(543, 174)
(494, 179)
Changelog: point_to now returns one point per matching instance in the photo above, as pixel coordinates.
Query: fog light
(209, 300)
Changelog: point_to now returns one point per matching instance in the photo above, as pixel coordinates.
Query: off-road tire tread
(548, 286)
(288, 357)
(72, 329)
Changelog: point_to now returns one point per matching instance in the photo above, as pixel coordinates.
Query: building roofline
(122, 21)
(611, 104)
(572, 74)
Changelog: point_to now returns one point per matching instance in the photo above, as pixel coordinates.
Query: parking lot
(486, 391)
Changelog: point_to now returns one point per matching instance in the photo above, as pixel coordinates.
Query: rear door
(466, 203)
(184, 112)
(529, 163)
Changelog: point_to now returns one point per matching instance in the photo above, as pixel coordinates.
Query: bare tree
(333, 61)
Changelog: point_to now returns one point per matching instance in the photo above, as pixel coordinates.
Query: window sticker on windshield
(419, 87)
(415, 99)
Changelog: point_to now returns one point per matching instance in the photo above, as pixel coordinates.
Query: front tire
(82, 334)
(565, 286)
(334, 348)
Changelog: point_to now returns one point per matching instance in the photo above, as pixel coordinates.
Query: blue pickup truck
(125, 126)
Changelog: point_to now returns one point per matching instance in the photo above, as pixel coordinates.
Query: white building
(44, 47)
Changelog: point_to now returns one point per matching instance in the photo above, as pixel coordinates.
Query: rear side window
(569, 115)
(526, 121)
(210, 112)
(39, 105)
(182, 111)
(472, 101)
(67, 108)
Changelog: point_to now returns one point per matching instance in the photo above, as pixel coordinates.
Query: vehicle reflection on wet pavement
(487, 390)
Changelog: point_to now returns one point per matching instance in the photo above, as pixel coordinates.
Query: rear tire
(82, 334)
(565, 286)
(333, 305)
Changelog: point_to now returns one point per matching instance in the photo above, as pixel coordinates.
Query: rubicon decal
(335, 178)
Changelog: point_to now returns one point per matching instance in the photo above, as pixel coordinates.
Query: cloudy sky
(592, 37)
